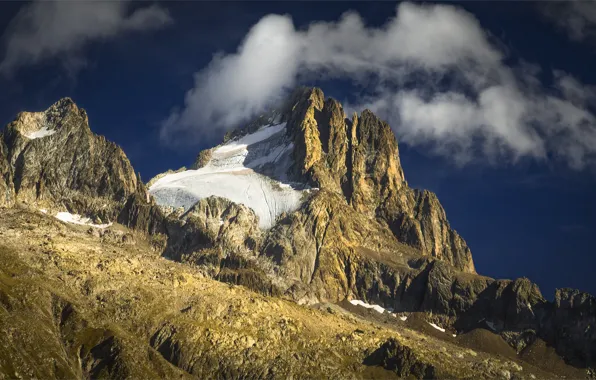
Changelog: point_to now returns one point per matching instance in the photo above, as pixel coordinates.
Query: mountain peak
(35, 125)
(359, 159)
(309, 143)
(63, 103)
(54, 160)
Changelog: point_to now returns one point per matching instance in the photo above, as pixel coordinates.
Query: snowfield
(250, 170)
(377, 308)
(67, 217)
(42, 132)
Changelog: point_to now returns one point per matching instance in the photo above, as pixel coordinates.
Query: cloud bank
(431, 71)
(48, 29)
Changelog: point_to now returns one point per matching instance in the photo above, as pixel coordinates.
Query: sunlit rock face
(359, 158)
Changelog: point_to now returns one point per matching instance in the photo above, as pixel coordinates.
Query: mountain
(53, 160)
(302, 204)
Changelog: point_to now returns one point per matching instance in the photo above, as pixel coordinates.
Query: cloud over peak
(48, 29)
(432, 71)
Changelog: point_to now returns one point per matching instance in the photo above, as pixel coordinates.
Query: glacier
(251, 170)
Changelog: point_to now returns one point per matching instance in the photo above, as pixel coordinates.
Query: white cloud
(48, 29)
(237, 86)
(489, 109)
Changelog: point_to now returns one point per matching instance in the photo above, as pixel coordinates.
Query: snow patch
(454, 335)
(236, 172)
(437, 327)
(42, 132)
(377, 308)
(251, 139)
(403, 318)
(67, 217)
(43, 210)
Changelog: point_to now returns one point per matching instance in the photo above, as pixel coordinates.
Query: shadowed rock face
(401, 360)
(57, 162)
(572, 324)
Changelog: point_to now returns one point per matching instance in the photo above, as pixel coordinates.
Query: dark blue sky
(525, 219)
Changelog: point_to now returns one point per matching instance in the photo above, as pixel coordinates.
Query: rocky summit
(294, 249)
(53, 160)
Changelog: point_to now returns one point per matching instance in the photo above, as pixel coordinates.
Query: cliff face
(6, 183)
(359, 159)
(57, 163)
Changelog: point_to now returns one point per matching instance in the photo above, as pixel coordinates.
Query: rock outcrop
(403, 361)
(571, 323)
(58, 163)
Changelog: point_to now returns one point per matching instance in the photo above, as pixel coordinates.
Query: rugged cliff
(359, 158)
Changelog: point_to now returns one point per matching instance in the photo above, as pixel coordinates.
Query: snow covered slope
(250, 170)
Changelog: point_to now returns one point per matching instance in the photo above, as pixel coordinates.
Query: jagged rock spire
(359, 158)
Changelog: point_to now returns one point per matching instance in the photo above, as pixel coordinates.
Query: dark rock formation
(202, 158)
(322, 244)
(209, 223)
(141, 213)
(402, 360)
(571, 324)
